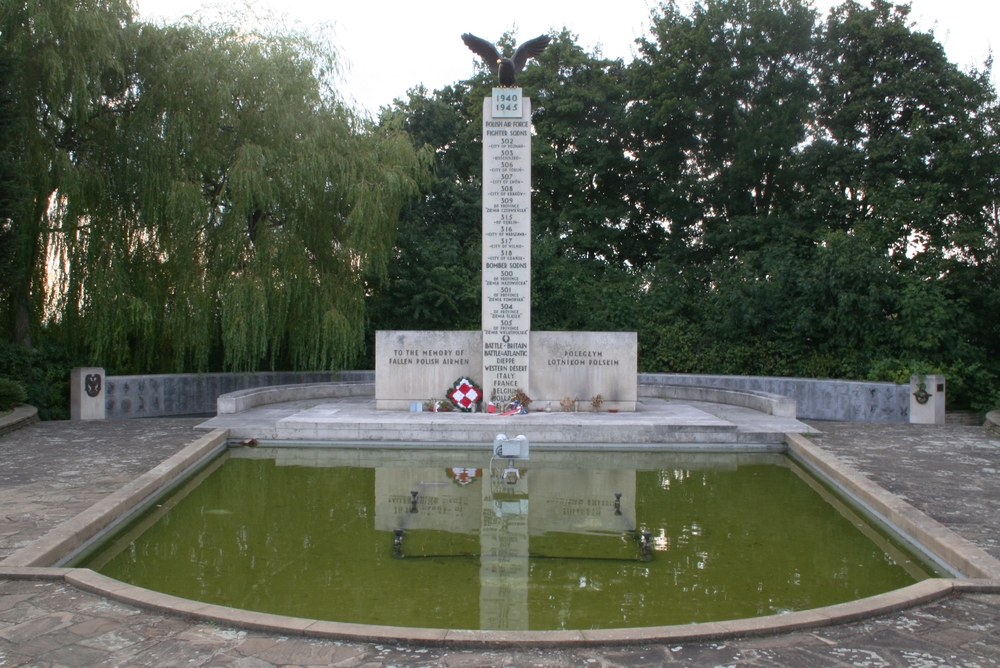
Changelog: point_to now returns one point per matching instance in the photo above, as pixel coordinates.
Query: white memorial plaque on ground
(506, 243)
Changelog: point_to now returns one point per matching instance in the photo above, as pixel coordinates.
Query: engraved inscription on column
(506, 249)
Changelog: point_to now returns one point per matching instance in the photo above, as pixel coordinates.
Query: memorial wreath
(465, 394)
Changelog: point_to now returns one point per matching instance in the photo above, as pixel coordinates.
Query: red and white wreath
(464, 393)
(463, 476)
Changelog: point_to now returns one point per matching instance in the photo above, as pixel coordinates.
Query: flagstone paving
(52, 470)
(951, 473)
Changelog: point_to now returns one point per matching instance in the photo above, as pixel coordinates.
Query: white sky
(391, 46)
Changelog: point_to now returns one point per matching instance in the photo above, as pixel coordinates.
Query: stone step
(364, 431)
(656, 421)
(682, 424)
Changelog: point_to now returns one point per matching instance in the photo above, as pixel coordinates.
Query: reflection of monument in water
(548, 513)
(504, 545)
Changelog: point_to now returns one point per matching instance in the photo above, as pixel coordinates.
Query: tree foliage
(198, 196)
(763, 190)
(582, 222)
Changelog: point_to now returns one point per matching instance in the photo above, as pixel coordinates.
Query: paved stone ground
(948, 472)
(952, 473)
(51, 471)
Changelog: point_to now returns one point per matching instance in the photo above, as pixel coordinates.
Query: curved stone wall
(815, 399)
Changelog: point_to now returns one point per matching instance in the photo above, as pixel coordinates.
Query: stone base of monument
(421, 366)
(676, 424)
(353, 420)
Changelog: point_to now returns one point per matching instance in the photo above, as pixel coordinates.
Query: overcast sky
(390, 46)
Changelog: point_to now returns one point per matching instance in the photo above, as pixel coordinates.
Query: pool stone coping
(843, 613)
(77, 533)
(947, 546)
(21, 416)
(58, 544)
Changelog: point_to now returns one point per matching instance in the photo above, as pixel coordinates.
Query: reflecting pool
(692, 538)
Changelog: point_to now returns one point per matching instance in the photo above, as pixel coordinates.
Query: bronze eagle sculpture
(506, 68)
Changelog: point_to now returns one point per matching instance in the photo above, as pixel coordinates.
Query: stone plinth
(86, 393)
(420, 365)
(927, 397)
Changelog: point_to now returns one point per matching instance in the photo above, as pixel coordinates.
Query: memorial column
(506, 291)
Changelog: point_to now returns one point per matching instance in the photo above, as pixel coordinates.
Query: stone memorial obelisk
(506, 315)
(413, 367)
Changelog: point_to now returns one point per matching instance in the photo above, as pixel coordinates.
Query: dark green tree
(586, 235)
(582, 173)
(827, 190)
(433, 280)
(722, 98)
(12, 183)
(63, 72)
(589, 237)
(903, 161)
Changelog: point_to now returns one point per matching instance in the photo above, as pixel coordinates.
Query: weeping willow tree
(57, 59)
(212, 203)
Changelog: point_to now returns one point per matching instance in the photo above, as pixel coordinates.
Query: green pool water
(310, 533)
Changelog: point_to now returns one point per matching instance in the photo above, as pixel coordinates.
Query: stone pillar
(86, 393)
(927, 396)
(506, 311)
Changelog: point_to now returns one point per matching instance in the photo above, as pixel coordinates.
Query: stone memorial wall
(582, 365)
(87, 391)
(422, 365)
